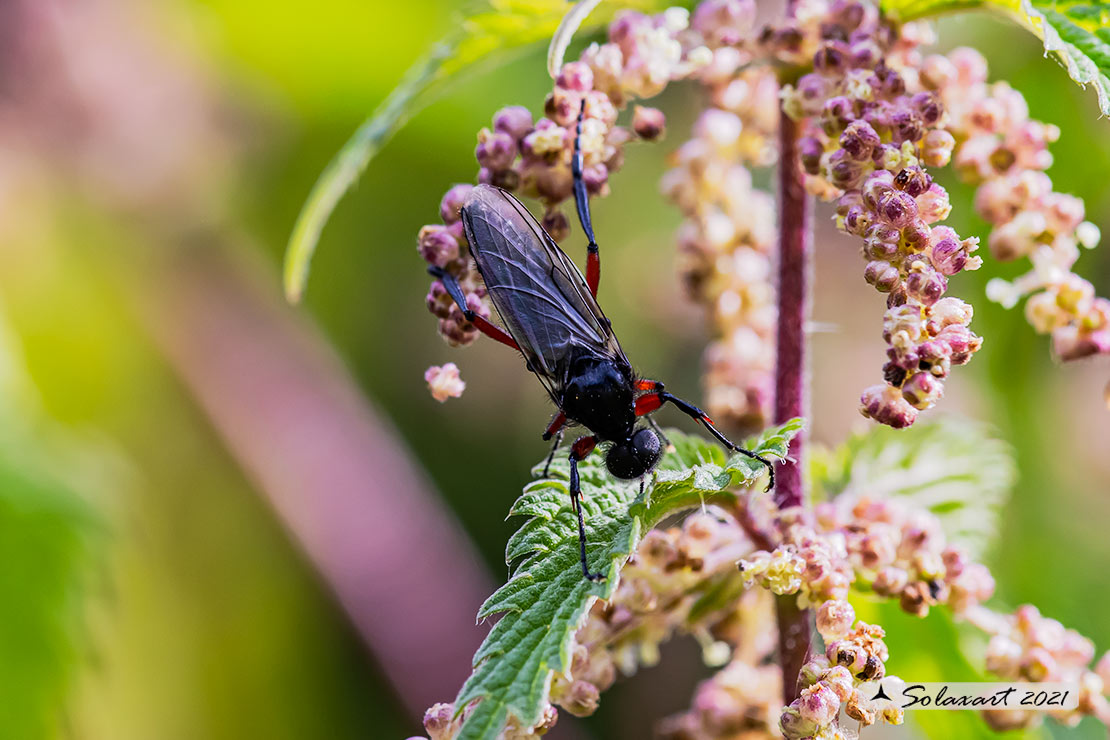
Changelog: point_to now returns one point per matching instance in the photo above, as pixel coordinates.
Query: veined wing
(538, 292)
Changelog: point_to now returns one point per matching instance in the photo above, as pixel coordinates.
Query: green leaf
(1075, 32)
(52, 547)
(492, 32)
(46, 544)
(569, 26)
(952, 467)
(546, 598)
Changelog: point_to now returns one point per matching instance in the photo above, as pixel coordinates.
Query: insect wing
(540, 295)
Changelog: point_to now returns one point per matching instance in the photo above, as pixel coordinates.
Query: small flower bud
(439, 721)
(576, 76)
(915, 599)
(818, 704)
(859, 140)
(438, 301)
(913, 180)
(545, 141)
(444, 382)
(885, 405)
(495, 151)
(834, 619)
(556, 224)
(839, 679)
(893, 715)
(831, 57)
(793, 725)
(925, 284)
(837, 113)
(810, 152)
(515, 121)
(1038, 665)
(938, 146)
(922, 390)
(881, 241)
(452, 202)
(873, 669)
(928, 107)
(864, 54)
(843, 171)
(847, 654)
(890, 581)
(948, 256)
(883, 275)
(812, 672)
(860, 709)
(898, 208)
(581, 699)
(648, 123)
(437, 246)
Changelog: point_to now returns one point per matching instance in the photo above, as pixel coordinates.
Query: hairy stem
(795, 247)
(795, 237)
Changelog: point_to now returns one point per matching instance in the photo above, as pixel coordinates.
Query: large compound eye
(622, 462)
(646, 448)
(635, 457)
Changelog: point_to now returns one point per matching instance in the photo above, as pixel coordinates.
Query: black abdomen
(598, 395)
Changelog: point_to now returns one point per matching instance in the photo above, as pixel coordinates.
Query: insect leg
(654, 386)
(554, 429)
(649, 403)
(484, 326)
(662, 436)
(582, 205)
(582, 447)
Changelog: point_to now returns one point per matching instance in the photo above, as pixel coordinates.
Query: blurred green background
(155, 581)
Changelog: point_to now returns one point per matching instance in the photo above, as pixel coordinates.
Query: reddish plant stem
(795, 247)
(795, 237)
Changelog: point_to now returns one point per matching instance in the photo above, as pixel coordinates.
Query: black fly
(553, 319)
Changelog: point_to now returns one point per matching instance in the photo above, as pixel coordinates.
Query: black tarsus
(551, 455)
(453, 289)
(699, 416)
(575, 493)
(581, 197)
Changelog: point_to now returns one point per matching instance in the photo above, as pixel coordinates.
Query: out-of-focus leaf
(50, 539)
(570, 24)
(491, 32)
(344, 170)
(954, 468)
(45, 552)
(546, 597)
(1075, 32)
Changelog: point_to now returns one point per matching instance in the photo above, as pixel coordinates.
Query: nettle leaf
(1075, 32)
(493, 32)
(952, 467)
(546, 598)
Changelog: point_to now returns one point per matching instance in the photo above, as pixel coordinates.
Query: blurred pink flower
(444, 382)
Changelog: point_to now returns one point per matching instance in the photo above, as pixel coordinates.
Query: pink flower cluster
(533, 157)
(1027, 646)
(1005, 153)
(853, 655)
(441, 723)
(872, 135)
(743, 700)
(883, 545)
(444, 382)
(726, 244)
